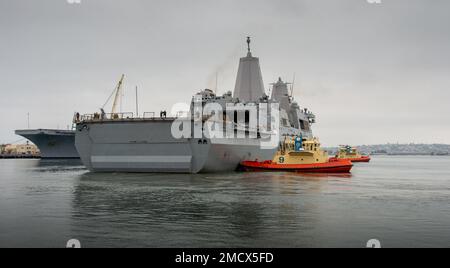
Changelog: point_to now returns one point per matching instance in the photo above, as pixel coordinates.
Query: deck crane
(117, 90)
(118, 94)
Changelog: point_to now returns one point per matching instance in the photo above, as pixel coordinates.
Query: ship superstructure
(294, 121)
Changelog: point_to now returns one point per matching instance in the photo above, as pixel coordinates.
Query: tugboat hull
(363, 159)
(334, 166)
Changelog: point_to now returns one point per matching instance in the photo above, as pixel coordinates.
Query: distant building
(2, 148)
(27, 149)
(20, 149)
(9, 149)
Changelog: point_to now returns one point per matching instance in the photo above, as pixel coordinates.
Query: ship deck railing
(97, 117)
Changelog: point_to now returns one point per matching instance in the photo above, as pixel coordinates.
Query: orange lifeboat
(300, 155)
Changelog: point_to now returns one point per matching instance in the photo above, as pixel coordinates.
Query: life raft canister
(298, 144)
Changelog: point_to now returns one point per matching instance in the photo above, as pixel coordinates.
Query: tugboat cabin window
(304, 125)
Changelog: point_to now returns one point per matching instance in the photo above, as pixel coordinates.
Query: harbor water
(401, 201)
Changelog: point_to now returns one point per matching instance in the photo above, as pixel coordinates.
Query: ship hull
(148, 146)
(53, 144)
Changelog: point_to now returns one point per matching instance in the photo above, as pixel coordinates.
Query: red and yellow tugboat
(351, 153)
(298, 155)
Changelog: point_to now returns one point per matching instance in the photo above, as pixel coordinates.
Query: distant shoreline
(20, 157)
(401, 149)
(400, 154)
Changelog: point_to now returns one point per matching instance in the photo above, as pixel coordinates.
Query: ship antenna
(292, 87)
(248, 44)
(217, 82)
(137, 103)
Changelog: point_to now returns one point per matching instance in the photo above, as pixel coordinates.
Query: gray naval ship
(52, 143)
(124, 143)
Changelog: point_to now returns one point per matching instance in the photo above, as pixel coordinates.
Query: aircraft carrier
(119, 142)
(53, 143)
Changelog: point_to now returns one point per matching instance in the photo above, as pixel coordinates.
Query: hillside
(403, 149)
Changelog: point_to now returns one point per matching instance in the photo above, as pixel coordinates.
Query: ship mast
(249, 85)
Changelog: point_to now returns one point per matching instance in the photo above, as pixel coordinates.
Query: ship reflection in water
(402, 201)
(193, 210)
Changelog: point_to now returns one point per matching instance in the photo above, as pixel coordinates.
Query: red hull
(334, 166)
(364, 159)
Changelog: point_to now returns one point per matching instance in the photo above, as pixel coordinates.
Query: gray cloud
(371, 73)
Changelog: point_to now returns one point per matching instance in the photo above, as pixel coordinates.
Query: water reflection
(57, 165)
(239, 209)
(401, 201)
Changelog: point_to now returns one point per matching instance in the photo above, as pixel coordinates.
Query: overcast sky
(372, 73)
